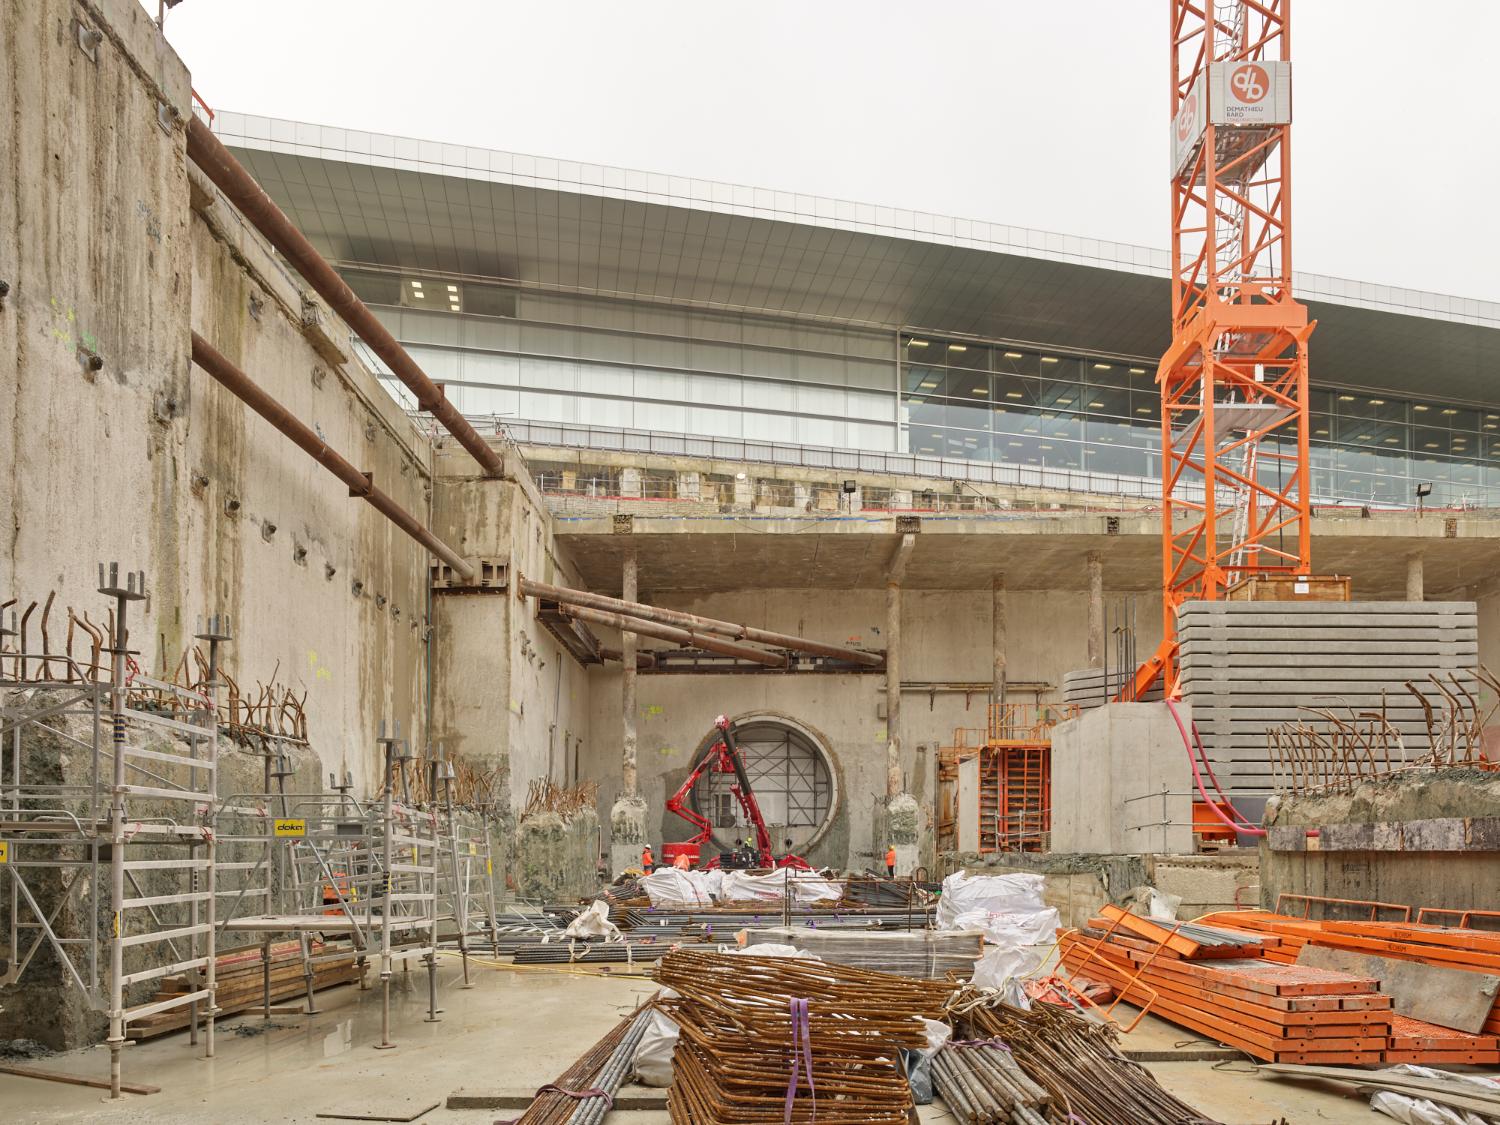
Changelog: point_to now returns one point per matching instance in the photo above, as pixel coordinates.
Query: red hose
(1187, 744)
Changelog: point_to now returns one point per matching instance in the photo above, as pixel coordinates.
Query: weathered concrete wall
(506, 694)
(946, 639)
(556, 856)
(1424, 839)
(149, 462)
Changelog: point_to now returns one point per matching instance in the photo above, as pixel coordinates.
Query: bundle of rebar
(1075, 1061)
(767, 1040)
(583, 1094)
(984, 1085)
(546, 796)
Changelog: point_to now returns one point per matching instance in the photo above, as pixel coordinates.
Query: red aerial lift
(722, 755)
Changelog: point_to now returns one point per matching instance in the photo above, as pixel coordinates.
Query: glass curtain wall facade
(560, 358)
(997, 402)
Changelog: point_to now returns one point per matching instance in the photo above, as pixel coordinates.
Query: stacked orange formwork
(1448, 947)
(1276, 1012)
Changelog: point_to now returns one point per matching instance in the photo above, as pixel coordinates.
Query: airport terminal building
(608, 308)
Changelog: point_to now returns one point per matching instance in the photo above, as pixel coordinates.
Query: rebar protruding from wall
(206, 356)
(229, 176)
(660, 614)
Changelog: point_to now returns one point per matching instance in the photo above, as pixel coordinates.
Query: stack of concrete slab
(1250, 666)
(1086, 687)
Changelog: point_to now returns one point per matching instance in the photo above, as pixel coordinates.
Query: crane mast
(1234, 395)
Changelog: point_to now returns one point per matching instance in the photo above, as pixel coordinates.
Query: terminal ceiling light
(1049, 359)
(927, 384)
(1104, 367)
(1012, 355)
(1493, 417)
(1377, 402)
(916, 343)
(453, 288)
(1346, 398)
(1430, 445)
(1489, 425)
(1137, 370)
(1147, 410)
(1391, 440)
(980, 391)
(1017, 394)
(1066, 401)
(1096, 405)
(958, 347)
(1418, 406)
(1449, 410)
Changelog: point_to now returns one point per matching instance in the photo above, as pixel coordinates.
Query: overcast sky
(1042, 114)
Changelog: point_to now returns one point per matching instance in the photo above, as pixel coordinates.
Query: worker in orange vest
(890, 860)
(648, 863)
(682, 863)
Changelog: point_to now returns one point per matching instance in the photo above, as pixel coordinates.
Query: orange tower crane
(1234, 426)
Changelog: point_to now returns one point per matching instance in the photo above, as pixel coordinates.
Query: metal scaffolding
(123, 861)
(124, 841)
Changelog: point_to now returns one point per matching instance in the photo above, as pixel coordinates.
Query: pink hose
(1187, 744)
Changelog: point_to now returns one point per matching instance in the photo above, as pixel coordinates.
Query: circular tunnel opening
(792, 774)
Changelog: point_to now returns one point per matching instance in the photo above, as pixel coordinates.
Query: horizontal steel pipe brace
(570, 597)
(229, 176)
(248, 391)
(685, 637)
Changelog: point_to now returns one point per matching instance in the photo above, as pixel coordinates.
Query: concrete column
(997, 637)
(629, 785)
(689, 485)
(892, 688)
(1414, 592)
(1096, 610)
(630, 482)
(902, 816)
(627, 819)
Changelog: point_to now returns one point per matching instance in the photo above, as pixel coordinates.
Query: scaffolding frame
(141, 816)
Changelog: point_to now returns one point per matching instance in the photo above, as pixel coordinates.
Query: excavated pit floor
(512, 1031)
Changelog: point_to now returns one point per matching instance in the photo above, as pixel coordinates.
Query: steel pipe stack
(984, 1085)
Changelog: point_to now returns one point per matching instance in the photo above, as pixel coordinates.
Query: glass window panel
(439, 363)
(921, 350)
(542, 407)
(541, 340)
(484, 367)
(819, 431)
(768, 395)
(765, 427)
(969, 386)
(711, 422)
(921, 379)
(864, 404)
(605, 412)
(969, 415)
(430, 328)
(975, 357)
(866, 435)
(821, 400)
(602, 379)
(714, 357)
(650, 351)
(492, 335)
(1113, 401)
(669, 385)
(820, 368)
(924, 411)
(967, 445)
(927, 440)
(1015, 390)
(870, 376)
(660, 416)
(1010, 361)
(720, 390)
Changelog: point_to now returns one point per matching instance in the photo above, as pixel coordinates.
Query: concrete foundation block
(627, 834)
(555, 856)
(1121, 782)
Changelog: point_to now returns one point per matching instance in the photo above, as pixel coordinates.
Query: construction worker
(648, 861)
(682, 863)
(890, 860)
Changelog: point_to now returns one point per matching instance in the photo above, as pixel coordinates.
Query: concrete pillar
(630, 482)
(627, 819)
(801, 495)
(892, 689)
(689, 485)
(628, 641)
(1096, 610)
(1414, 592)
(901, 499)
(902, 815)
(744, 491)
(997, 638)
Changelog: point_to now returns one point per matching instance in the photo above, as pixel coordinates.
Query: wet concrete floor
(511, 1031)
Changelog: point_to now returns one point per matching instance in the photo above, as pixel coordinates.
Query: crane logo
(1187, 117)
(1249, 83)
